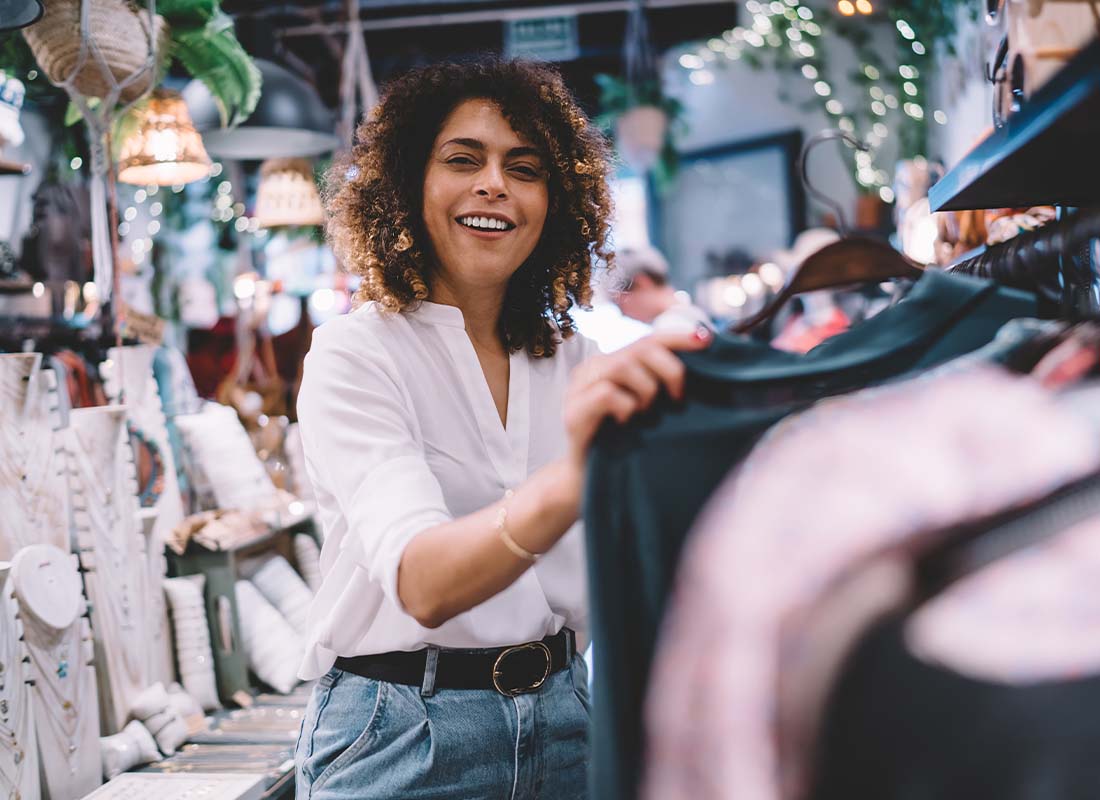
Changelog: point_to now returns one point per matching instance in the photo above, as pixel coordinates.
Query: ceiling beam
(490, 15)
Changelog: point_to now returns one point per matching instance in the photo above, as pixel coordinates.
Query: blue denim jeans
(363, 739)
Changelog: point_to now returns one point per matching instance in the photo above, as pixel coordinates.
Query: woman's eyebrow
(477, 144)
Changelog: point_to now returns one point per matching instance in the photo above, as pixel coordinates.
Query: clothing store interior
(853, 557)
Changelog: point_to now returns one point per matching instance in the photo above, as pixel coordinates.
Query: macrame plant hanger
(355, 78)
(100, 118)
(638, 59)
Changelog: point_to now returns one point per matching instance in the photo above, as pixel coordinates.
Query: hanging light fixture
(287, 194)
(289, 121)
(165, 150)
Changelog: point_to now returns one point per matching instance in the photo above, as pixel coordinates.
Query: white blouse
(401, 433)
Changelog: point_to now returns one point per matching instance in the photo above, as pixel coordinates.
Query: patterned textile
(848, 483)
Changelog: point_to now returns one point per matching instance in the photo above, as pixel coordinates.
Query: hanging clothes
(648, 480)
(738, 686)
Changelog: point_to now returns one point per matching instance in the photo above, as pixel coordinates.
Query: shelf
(1048, 153)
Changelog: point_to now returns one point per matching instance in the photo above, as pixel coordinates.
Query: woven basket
(119, 32)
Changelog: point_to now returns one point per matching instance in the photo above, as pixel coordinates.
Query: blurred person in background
(639, 285)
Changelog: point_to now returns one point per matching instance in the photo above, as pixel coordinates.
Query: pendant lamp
(289, 121)
(165, 150)
(287, 194)
(19, 13)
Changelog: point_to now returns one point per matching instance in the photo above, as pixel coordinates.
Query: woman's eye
(461, 160)
(526, 171)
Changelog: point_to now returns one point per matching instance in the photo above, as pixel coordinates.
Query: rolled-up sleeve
(361, 449)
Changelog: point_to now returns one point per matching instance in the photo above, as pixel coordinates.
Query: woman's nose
(491, 183)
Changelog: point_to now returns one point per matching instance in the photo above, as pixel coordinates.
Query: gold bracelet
(502, 532)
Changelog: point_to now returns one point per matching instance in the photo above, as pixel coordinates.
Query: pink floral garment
(849, 481)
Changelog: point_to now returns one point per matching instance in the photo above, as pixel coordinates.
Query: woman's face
(485, 197)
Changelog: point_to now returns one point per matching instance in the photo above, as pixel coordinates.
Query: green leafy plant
(201, 40)
(205, 45)
(617, 96)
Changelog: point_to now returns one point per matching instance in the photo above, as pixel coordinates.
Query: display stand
(129, 379)
(109, 540)
(221, 570)
(33, 492)
(46, 585)
(208, 786)
(18, 749)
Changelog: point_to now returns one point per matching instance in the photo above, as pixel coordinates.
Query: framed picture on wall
(729, 204)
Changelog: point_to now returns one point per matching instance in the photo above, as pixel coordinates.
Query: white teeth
(485, 223)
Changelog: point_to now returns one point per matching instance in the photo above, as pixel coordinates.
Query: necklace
(15, 732)
(31, 487)
(60, 676)
(115, 543)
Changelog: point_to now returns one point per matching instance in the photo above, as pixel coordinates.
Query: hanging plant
(196, 34)
(891, 98)
(644, 122)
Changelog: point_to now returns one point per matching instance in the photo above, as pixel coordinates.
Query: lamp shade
(289, 121)
(165, 150)
(19, 13)
(287, 194)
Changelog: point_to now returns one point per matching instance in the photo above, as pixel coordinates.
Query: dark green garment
(648, 480)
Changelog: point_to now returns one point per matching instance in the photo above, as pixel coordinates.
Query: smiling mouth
(485, 224)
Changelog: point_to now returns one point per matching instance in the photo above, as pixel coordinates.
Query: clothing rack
(1055, 262)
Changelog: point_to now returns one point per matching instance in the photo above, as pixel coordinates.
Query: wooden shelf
(1048, 153)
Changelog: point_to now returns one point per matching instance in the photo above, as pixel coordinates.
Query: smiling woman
(375, 195)
(445, 425)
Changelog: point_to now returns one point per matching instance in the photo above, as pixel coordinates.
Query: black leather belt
(510, 670)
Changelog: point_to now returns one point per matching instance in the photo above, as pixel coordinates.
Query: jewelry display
(33, 492)
(129, 748)
(309, 560)
(192, 636)
(269, 759)
(112, 552)
(129, 379)
(273, 648)
(208, 786)
(258, 725)
(283, 588)
(18, 751)
(47, 588)
(153, 708)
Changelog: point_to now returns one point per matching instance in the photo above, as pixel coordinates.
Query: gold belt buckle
(497, 674)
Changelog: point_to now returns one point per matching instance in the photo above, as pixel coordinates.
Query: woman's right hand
(624, 383)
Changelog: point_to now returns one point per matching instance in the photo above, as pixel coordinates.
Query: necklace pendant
(63, 669)
(18, 756)
(67, 705)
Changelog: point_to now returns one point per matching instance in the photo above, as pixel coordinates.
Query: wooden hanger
(852, 260)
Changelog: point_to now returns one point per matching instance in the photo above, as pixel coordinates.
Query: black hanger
(852, 260)
(1053, 262)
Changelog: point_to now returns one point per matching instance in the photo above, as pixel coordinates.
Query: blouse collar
(439, 314)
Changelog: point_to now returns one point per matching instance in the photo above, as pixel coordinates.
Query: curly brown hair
(374, 194)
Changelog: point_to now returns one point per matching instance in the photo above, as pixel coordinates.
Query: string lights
(789, 30)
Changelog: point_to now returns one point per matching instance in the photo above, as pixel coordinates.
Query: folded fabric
(273, 647)
(284, 588)
(153, 708)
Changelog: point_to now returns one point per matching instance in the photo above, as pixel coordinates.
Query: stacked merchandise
(88, 658)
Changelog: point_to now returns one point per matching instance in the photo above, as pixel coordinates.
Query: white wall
(744, 103)
(960, 89)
